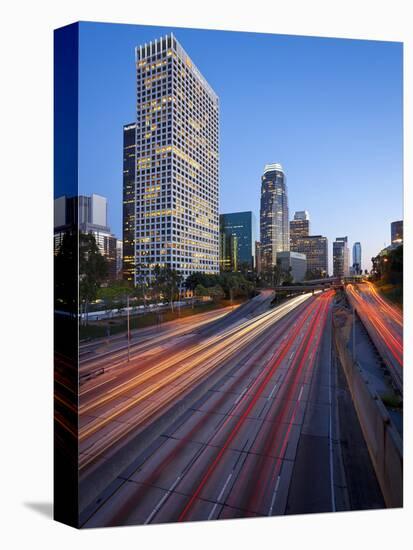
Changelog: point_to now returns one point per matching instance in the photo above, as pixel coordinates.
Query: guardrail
(383, 441)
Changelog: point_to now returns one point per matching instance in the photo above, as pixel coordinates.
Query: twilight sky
(329, 110)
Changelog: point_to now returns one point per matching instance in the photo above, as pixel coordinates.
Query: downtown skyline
(355, 124)
(200, 372)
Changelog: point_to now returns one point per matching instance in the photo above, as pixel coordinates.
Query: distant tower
(129, 166)
(241, 225)
(274, 226)
(299, 228)
(340, 257)
(357, 258)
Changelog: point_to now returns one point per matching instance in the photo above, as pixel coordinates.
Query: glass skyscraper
(175, 220)
(129, 166)
(242, 225)
(356, 258)
(340, 257)
(274, 224)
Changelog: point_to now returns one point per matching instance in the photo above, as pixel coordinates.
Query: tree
(65, 274)
(167, 283)
(216, 292)
(313, 274)
(142, 289)
(287, 277)
(114, 293)
(200, 291)
(93, 268)
(199, 278)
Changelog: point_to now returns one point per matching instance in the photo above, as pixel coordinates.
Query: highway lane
(384, 323)
(110, 353)
(233, 454)
(111, 407)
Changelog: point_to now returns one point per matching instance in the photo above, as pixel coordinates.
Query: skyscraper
(274, 226)
(357, 258)
(176, 221)
(86, 214)
(397, 232)
(242, 225)
(299, 227)
(340, 257)
(228, 251)
(315, 248)
(129, 167)
(258, 257)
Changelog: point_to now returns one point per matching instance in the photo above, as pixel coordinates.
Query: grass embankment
(393, 293)
(117, 325)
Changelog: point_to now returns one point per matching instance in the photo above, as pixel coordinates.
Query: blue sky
(329, 110)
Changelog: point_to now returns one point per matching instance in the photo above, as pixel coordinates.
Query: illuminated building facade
(258, 257)
(128, 238)
(228, 252)
(176, 191)
(274, 225)
(242, 226)
(340, 257)
(315, 248)
(299, 227)
(356, 268)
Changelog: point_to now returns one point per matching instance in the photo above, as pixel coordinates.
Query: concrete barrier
(383, 441)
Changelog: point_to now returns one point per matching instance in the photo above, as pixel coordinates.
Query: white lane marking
(291, 356)
(274, 496)
(301, 393)
(163, 499)
(272, 391)
(220, 495)
(240, 395)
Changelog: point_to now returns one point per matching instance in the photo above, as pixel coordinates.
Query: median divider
(384, 443)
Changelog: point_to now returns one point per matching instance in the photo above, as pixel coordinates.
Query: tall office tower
(258, 257)
(315, 248)
(228, 252)
(129, 166)
(356, 258)
(397, 232)
(87, 214)
(274, 226)
(176, 182)
(299, 228)
(242, 225)
(340, 257)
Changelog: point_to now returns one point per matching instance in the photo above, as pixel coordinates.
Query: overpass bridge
(306, 288)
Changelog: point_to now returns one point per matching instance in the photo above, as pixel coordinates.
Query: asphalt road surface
(384, 323)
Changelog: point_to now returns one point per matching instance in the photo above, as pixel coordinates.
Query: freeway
(259, 441)
(129, 395)
(110, 353)
(384, 323)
